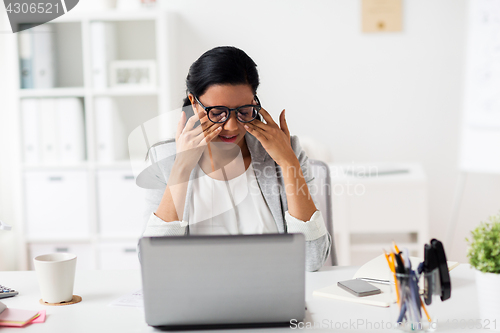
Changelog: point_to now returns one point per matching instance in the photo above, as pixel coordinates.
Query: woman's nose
(232, 123)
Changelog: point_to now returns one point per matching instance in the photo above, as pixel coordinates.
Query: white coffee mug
(56, 276)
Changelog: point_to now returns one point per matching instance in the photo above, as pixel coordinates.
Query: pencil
(425, 310)
(393, 269)
(387, 258)
(395, 246)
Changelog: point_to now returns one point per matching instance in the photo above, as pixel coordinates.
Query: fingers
(210, 136)
(209, 125)
(190, 123)
(180, 125)
(257, 132)
(260, 124)
(283, 124)
(211, 130)
(267, 117)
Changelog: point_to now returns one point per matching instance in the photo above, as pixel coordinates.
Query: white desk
(99, 288)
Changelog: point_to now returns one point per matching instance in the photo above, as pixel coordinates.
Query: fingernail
(246, 126)
(220, 128)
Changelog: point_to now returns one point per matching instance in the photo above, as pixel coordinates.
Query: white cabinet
(120, 255)
(120, 204)
(371, 211)
(56, 204)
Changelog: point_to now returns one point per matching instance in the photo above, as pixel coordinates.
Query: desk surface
(99, 288)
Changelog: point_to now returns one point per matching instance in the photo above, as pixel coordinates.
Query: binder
(49, 140)
(31, 131)
(103, 51)
(70, 126)
(26, 59)
(43, 56)
(110, 132)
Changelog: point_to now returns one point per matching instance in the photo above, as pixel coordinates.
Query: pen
(397, 250)
(375, 280)
(400, 266)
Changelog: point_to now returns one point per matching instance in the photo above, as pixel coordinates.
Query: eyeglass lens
(245, 114)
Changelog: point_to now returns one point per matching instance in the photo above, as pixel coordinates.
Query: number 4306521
(32, 8)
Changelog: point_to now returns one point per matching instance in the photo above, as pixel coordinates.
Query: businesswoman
(239, 171)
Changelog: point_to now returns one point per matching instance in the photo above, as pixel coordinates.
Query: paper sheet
(133, 300)
(41, 317)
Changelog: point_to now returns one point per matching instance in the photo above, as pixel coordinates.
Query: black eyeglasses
(244, 114)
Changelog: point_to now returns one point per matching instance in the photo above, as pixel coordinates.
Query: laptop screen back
(237, 279)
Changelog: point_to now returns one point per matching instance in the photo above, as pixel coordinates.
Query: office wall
(369, 97)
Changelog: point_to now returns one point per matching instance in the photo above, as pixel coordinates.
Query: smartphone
(359, 288)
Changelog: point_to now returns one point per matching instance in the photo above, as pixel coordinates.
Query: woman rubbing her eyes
(236, 170)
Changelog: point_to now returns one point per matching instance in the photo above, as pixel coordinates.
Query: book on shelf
(25, 58)
(31, 131)
(70, 125)
(102, 52)
(110, 133)
(53, 130)
(37, 57)
(43, 42)
(48, 121)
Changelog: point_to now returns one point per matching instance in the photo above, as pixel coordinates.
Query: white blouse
(212, 211)
(241, 209)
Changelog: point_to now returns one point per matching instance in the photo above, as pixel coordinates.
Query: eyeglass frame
(208, 108)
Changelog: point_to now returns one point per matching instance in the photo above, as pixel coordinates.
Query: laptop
(226, 281)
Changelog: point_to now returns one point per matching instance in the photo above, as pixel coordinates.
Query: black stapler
(436, 275)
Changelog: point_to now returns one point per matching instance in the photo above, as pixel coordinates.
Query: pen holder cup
(408, 314)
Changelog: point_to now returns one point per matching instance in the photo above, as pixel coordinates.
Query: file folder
(31, 131)
(70, 125)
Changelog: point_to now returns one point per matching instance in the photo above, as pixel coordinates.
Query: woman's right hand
(192, 141)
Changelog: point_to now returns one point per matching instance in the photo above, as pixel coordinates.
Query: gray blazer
(269, 178)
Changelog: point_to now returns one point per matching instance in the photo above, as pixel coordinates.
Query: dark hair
(221, 65)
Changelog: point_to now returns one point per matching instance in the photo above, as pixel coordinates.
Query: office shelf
(140, 35)
(124, 91)
(54, 92)
(56, 240)
(39, 167)
(111, 15)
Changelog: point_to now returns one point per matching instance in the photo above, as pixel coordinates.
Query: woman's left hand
(275, 139)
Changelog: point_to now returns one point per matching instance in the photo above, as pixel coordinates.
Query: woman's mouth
(228, 138)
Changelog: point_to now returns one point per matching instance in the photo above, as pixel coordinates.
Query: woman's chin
(221, 143)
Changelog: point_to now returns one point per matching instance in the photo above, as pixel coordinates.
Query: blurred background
(391, 96)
